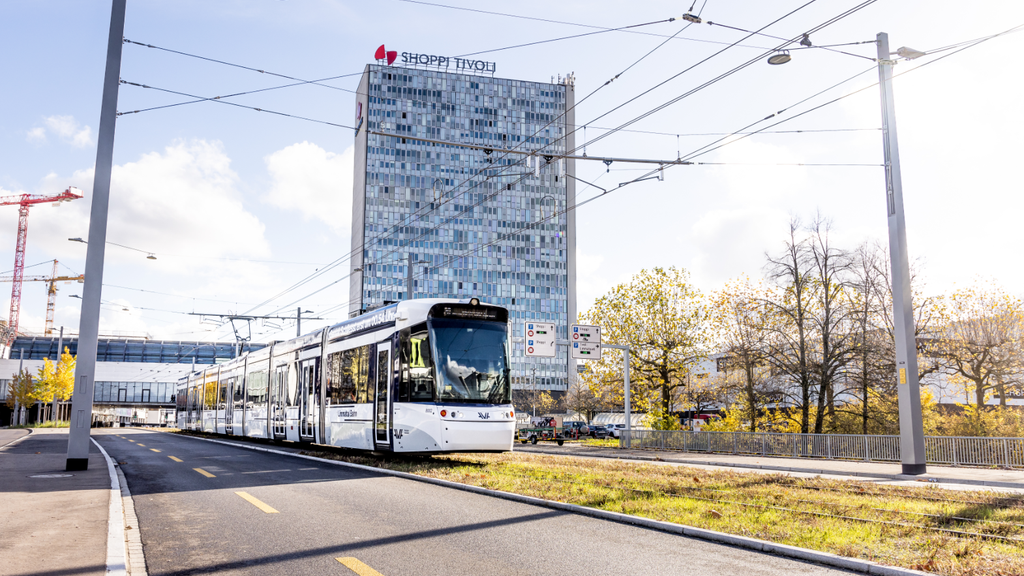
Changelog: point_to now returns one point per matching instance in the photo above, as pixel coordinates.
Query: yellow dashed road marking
(256, 502)
(175, 459)
(204, 472)
(154, 449)
(143, 445)
(358, 567)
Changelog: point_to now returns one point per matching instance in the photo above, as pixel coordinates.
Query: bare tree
(787, 341)
(833, 318)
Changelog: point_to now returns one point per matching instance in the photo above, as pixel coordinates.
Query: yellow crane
(51, 291)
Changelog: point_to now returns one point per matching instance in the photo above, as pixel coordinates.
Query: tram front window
(471, 362)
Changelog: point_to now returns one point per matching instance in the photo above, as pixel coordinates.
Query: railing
(954, 450)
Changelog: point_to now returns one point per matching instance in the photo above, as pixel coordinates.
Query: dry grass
(956, 533)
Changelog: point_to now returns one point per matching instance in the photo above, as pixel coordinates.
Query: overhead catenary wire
(701, 152)
(574, 36)
(550, 21)
(759, 132)
(399, 224)
(389, 253)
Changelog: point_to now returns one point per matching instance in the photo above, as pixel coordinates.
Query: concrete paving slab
(53, 521)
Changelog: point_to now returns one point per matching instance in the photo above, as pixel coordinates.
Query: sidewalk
(947, 476)
(53, 522)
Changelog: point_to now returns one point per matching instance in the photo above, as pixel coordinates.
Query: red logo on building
(382, 54)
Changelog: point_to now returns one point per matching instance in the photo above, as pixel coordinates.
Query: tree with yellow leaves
(980, 340)
(664, 320)
(743, 316)
(22, 393)
(55, 382)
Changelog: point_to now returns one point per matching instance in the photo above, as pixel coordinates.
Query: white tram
(420, 376)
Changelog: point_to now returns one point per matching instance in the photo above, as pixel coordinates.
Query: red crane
(24, 201)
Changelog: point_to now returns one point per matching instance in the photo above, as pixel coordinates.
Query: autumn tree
(55, 382)
(873, 370)
(788, 338)
(980, 340)
(582, 399)
(742, 320)
(664, 320)
(21, 393)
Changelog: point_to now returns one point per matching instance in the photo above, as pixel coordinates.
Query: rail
(952, 450)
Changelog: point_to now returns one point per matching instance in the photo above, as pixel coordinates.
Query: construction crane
(51, 291)
(24, 201)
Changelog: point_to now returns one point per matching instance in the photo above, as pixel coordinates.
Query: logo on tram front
(484, 415)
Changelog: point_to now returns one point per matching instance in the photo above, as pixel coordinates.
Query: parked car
(601, 430)
(616, 429)
(575, 428)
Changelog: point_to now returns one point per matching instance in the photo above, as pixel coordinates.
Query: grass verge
(955, 533)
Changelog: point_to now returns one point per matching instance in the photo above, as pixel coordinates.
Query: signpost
(585, 342)
(539, 339)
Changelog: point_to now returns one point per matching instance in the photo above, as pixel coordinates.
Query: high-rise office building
(446, 202)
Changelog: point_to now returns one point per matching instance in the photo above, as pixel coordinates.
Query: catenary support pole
(88, 328)
(60, 349)
(627, 442)
(912, 452)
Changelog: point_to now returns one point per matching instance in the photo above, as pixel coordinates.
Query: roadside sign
(540, 339)
(586, 350)
(585, 342)
(583, 333)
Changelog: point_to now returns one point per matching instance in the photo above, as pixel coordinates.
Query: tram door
(277, 400)
(309, 399)
(382, 404)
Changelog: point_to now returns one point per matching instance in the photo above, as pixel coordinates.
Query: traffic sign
(540, 339)
(585, 342)
(583, 333)
(586, 350)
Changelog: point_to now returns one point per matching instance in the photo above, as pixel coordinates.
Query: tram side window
(210, 395)
(347, 376)
(417, 366)
(256, 384)
(223, 400)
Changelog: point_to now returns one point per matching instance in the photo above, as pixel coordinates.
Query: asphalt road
(206, 508)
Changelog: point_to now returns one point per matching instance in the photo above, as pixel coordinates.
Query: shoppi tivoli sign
(435, 61)
(445, 62)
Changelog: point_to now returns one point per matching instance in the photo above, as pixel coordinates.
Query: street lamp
(149, 255)
(408, 276)
(908, 389)
(298, 320)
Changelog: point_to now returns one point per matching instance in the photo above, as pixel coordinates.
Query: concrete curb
(852, 564)
(132, 534)
(16, 440)
(116, 550)
(901, 477)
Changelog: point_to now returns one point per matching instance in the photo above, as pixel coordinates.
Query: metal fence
(954, 450)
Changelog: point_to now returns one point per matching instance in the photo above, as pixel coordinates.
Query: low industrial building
(135, 378)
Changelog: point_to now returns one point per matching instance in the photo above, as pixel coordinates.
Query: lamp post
(298, 320)
(89, 325)
(908, 387)
(408, 276)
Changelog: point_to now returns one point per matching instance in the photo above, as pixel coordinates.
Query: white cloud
(36, 135)
(317, 183)
(64, 127)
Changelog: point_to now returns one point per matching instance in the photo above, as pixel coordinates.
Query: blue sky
(238, 205)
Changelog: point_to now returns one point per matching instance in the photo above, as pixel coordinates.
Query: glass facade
(473, 221)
